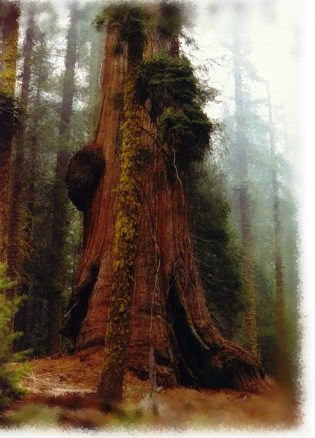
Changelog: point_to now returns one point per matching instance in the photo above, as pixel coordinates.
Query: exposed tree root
(78, 303)
(219, 364)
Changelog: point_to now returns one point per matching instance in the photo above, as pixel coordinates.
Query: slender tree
(15, 247)
(282, 365)
(138, 281)
(59, 207)
(249, 327)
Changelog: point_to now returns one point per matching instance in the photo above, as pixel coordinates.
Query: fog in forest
(211, 205)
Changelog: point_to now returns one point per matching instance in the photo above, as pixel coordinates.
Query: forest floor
(61, 393)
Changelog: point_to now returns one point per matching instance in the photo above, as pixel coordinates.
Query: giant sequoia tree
(138, 282)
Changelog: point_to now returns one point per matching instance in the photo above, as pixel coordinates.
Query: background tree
(15, 241)
(8, 111)
(261, 167)
(41, 146)
(218, 253)
(245, 208)
(59, 205)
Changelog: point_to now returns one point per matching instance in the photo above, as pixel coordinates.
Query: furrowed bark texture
(169, 313)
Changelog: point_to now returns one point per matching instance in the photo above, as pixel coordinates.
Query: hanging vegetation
(131, 22)
(127, 222)
(167, 81)
(10, 114)
(187, 132)
(11, 371)
(175, 98)
(85, 170)
(171, 19)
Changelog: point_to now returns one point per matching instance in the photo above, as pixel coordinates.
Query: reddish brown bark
(15, 247)
(169, 312)
(9, 15)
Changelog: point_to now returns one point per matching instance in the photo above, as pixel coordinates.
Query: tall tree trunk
(282, 364)
(9, 16)
(15, 248)
(168, 314)
(249, 323)
(59, 206)
(29, 317)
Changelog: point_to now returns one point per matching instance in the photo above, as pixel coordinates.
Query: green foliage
(187, 131)
(171, 19)
(10, 371)
(255, 142)
(217, 251)
(131, 17)
(131, 20)
(37, 415)
(167, 81)
(113, 14)
(175, 98)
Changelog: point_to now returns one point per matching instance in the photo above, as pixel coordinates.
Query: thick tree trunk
(169, 315)
(9, 15)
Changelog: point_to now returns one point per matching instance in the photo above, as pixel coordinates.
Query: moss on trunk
(137, 227)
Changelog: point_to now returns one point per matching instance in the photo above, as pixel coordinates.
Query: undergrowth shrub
(11, 371)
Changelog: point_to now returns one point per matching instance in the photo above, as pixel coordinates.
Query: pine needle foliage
(10, 371)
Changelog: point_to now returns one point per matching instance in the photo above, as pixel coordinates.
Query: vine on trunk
(127, 221)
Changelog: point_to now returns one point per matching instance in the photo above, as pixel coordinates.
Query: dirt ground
(61, 393)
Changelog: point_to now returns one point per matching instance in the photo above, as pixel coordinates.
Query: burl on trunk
(169, 315)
